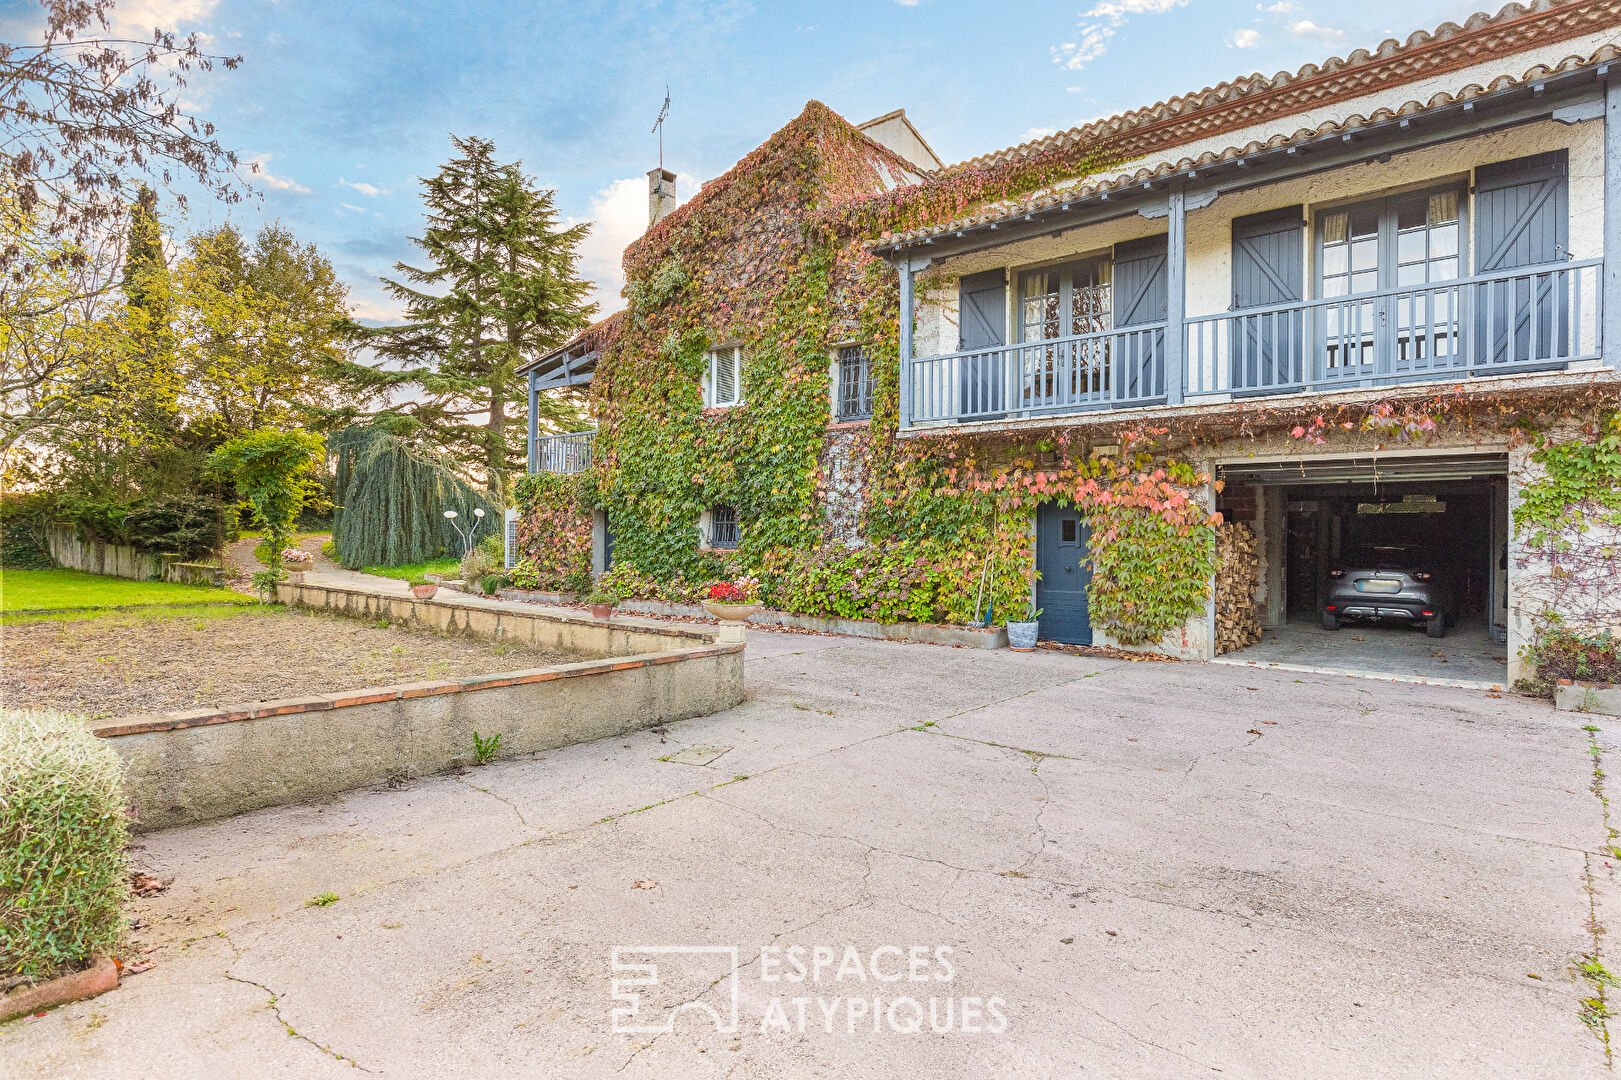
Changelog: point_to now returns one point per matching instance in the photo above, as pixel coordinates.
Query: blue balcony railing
(1526, 319)
(564, 453)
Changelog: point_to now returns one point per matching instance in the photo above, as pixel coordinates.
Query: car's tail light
(1336, 573)
(1429, 614)
(1331, 607)
(1422, 575)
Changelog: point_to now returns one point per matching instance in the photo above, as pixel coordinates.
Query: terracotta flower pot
(99, 978)
(731, 612)
(295, 577)
(424, 592)
(600, 611)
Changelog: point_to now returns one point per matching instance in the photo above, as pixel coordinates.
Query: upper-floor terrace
(1455, 232)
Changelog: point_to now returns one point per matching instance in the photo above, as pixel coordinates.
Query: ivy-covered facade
(1315, 306)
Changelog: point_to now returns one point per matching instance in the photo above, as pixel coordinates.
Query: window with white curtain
(723, 382)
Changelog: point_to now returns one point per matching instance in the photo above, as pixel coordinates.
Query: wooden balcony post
(906, 344)
(1610, 287)
(1176, 300)
(534, 424)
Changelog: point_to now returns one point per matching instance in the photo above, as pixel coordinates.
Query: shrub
(477, 565)
(1561, 653)
(492, 583)
(330, 550)
(63, 875)
(22, 531)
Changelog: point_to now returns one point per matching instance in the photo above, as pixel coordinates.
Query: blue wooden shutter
(1138, 360)
(982, 325)
(1268, 268)
(1521, 219)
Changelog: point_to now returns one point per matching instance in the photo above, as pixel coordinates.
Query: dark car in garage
(1390, 583)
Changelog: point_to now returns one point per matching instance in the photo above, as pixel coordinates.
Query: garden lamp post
(466, 534)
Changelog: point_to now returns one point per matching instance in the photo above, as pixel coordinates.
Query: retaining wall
(200, 764)
(121, 560)
(974, 637)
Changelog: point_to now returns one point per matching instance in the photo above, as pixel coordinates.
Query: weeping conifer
(391, 501)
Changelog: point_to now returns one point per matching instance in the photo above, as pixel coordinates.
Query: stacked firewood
(1238, 620)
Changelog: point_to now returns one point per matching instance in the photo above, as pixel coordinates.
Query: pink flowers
(295, 557)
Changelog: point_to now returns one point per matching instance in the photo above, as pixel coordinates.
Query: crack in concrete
(502, 798)
(1595, 1011)
(275, 1007)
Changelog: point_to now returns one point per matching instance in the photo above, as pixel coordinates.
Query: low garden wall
(973, 637)
(200, 764)
(68, 550)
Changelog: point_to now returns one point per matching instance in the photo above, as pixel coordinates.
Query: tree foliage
(391, 498)
(87, 116)
(499, 287)
(272, 472)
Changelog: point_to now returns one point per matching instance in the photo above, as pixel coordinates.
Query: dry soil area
(113, 666)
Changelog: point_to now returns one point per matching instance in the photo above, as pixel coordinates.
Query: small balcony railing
(564, 453)
(1109, 369)
(1529, 318)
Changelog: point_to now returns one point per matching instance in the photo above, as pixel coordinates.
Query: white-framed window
(723, 381)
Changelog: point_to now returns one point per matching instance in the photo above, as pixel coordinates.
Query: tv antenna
(658, 125)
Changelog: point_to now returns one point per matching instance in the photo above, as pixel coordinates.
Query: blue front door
(1061, 559)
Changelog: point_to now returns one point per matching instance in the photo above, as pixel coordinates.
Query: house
(1359, 306)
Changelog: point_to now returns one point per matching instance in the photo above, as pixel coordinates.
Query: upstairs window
(723, 382)
(723, 530)
(855, 383)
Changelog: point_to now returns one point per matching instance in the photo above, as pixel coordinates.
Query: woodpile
(1238, 620)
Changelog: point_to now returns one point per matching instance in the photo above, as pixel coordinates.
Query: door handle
(1069, 569)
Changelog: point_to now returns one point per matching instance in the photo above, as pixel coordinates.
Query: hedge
(63, 874)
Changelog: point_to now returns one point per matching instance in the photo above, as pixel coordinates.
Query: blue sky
(346, 104)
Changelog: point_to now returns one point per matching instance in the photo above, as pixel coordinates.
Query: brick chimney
(660, 195)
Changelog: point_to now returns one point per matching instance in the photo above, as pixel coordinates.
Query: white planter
(1021, 636)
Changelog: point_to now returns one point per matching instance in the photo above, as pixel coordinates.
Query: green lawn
(446, 567)
(29, 590)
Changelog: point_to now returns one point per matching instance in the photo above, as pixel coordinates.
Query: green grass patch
(445, 567)
(33, 590)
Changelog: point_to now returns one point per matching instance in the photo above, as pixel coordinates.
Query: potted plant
(422, 588)
(734, 601)
(601, 602)
(296, 561)
(1021, 636)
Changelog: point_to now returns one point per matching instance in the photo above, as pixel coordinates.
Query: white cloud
(1038, 133)
(1099, 24)
(1245, 39)
(371, 191)
(138, 18)
(1282, 7)
(908, 3)
(1307, 29)
(267, 178)
(354, 208)
(619, 215)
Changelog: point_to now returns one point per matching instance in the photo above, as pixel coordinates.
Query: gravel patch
(117, 665)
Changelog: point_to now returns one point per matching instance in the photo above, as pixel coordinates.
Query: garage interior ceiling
(1367, 469)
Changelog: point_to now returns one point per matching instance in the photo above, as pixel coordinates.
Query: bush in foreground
(63, 874)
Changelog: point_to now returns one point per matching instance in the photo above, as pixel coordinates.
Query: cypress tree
(499, 287)
(143, 248)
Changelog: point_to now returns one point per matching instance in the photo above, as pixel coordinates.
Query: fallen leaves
(644, 884)
(146, 963)
(145, 884)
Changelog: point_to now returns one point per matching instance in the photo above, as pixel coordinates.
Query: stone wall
(843, 471)
(68, 550)
(200, 764)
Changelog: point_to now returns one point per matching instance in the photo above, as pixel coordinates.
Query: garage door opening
(1379, 567)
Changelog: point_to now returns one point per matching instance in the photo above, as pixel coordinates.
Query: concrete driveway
(1102, 868)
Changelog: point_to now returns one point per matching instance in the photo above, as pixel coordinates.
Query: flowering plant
(296, 558)
(744, 590)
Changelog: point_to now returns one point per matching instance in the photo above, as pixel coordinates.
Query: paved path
(1162, 870)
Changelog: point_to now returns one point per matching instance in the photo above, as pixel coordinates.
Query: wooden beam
(1176, 305)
